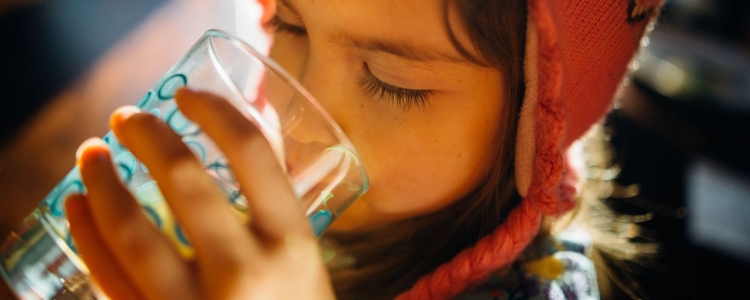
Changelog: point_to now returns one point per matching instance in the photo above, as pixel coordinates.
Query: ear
(269, 10)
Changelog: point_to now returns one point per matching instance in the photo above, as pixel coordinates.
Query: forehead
(393, 10)
(419, 22)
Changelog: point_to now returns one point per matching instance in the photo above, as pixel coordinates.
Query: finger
(202, 210)
(102, 266)
(273, 206)
(144, 254)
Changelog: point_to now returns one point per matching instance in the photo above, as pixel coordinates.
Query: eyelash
(401, 97)
(277, 24)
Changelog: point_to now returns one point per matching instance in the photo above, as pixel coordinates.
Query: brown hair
(388, 260)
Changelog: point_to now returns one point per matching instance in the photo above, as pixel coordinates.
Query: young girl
(466, 114)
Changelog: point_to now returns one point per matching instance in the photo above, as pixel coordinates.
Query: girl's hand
(274, 257)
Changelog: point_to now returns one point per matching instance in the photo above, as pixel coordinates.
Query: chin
(366, 213)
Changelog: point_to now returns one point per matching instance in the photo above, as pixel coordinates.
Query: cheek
(426, 161)
(414, 173)
(417, 185)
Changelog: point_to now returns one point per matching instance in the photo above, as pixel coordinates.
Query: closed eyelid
(368, 71)
(282, 25)
(402, 97)
(415, 77)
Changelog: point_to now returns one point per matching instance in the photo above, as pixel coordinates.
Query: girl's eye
(280, 26)
(401, 97)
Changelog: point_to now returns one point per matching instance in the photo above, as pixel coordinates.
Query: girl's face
(424, 119)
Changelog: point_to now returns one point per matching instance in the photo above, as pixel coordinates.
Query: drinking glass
(39, 259)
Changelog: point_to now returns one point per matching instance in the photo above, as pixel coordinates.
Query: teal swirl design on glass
(320, 220)
(126, 164)
(155, 112)
(114, 145)
(145, 100)
(149, 193)
(180, 123)
(181, 235)
(170, 86)
(69, 240)
(238, 201)
(72, 184)
(221, 171)
(228, 185)
(198, 150)
(151, 214)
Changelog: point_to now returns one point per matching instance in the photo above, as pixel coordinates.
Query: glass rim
(270, 63)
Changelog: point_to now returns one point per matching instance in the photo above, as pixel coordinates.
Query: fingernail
(91, 142)
(122, 113)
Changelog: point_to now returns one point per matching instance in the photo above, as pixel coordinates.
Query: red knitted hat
(577, 53)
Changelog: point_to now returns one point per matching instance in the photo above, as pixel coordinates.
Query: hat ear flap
(526, 135)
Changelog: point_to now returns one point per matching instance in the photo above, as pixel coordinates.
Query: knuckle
(171, 161)
(184, 173)
(126, 239)
(187, 187)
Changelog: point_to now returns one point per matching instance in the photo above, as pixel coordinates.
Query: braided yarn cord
(503, 246)
(583, 48)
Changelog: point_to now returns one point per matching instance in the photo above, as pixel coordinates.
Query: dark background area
(680, 131)
(48, 44)
(680, 135)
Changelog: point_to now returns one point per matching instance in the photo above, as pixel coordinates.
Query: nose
(319, 75)
(305, 118)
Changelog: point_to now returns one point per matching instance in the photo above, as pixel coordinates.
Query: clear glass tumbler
(39, 259)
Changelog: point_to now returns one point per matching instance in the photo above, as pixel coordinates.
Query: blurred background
(680, 138)
(679, 132)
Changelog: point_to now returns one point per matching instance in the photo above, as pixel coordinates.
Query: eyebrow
(403, 49)
(291, 9)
